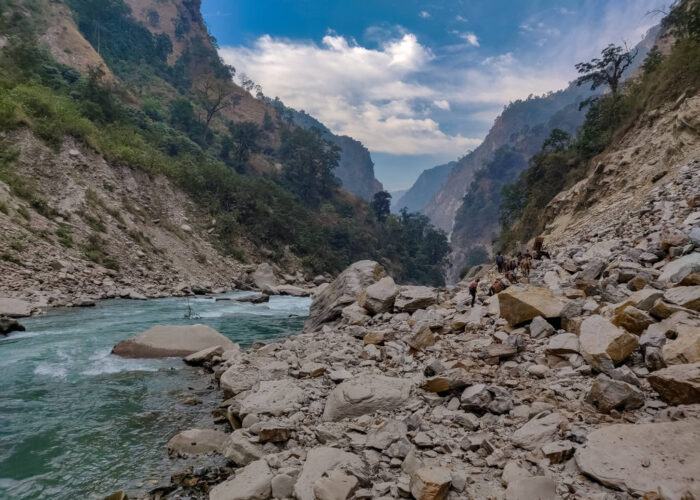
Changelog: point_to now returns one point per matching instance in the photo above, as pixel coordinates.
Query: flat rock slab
(196, 441)
(678, 384)
(366, 394)
(318, 461)
(165, 341)
(532, 488)
(518, 305)
(253, 482)
(662, 458)
(15, 308)
(273, 397)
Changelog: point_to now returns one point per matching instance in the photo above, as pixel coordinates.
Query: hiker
(499, 262)
(498, 286)
(510, 276)
(526, 264)
(472, 290)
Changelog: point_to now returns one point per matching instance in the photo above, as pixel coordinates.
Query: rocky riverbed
(582, 381)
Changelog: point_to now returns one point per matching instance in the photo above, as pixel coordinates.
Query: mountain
(356, 168)
(396, 197)
(425, 187)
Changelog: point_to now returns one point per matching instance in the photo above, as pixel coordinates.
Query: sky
(419, 83)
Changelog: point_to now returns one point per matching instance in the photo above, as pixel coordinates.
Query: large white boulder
(366, 394)
(678, 270)
(164, 341)
(264, 278)
(319, 461)
(379, 297)
(412, 298)
(15, 308)
(328, 305)
(661, 459)
(521, 305)
(253, 482)
(273, 397)
(196, 441)
(602, 344)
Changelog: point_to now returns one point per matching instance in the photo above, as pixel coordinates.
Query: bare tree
(606, 70)
(215, 95)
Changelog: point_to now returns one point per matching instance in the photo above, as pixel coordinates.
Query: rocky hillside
(425, 187)
(413, 392)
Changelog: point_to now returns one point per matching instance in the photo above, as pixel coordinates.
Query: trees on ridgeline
(381, 205)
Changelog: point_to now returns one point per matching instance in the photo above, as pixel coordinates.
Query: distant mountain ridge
(425, 187)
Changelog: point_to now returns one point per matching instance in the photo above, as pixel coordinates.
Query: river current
(78, 422)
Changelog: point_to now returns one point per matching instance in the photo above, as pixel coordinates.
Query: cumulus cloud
(369, 94)
(424, 14)
(443, 104)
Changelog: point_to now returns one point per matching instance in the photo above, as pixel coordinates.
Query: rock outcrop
(171, 341)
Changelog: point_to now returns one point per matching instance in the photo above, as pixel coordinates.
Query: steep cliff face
(356, 168)
(425, 187)
(522, 124)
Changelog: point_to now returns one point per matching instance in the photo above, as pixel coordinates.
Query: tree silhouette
(381, 204)
(606, 70)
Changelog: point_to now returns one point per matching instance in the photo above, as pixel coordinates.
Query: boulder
(319, 461)
(521, 305)
(644, 299)
(253, 482)
(366, 394)
(421, 338)
(608, 394)
(659, 459)
(291, 290)
(602, 344)
(563, 343)
(539, 430)
(678, 384)
(633, 320)
(15, 308)
(337, 485)
(532, 488)
(684, 296)
(256, 298)
(430, 483)
(239, 449)
(328, 305)
(196, 441)
(273, 397)
(164, 341)
(237, 379)
(354, 314)
(386, 434)
(685, 348)
(379, 297)
(456, 378)
(274, 431)
(264, 278)
(412, 298)
(540, 328)
(201, 357)
(9, 325)
(558, 451)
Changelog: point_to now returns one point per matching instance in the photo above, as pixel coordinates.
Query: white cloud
(470, 38)
(369, 94)
(424, 14)
(443, 104)
(460, 19)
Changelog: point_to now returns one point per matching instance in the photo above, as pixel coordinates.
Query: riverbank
(78, 422)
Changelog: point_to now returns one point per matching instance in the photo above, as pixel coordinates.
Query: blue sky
(419, 83)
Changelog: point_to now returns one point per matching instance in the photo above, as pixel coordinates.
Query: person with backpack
(499, 262)
(472, 290)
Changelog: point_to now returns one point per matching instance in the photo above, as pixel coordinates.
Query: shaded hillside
(425, 187)
(355, 169)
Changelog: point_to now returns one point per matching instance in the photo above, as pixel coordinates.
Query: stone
(477, 397)
(273, 397)
(9, 325)
(519, 305)
(411, 298)
(15, 308)
(354, 315)
(644, 299)
(327, 305)
(563, 343)
(273, 431)
(608, 394)
(539, 430)
(373, 338)
(366, 394)
(513, 471)
(282, 486)
(659, 459)
(685, 348)
(117, 495)
(164, 341)
(540, 328)
(456, 378)
(602, 344)
(387, 433)
(337, 485)
(532, 488)
(201, 357)
(421, 338)
(312, 370)
(430, 483)
(291, 290)
(264, 278)
(558, 451)
(633, 320)
(684, 296)
(678, 384)
(237, 379)
(240, 450)
(379, 297)
(256, 298)
(196, 441)
(501, 351)
(253, 482)
(318, 462)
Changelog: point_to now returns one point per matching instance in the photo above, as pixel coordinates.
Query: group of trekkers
(508, 269)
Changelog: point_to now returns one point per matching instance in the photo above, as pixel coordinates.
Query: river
(78, 422)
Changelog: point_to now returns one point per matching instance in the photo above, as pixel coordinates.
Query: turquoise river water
(78, 422)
